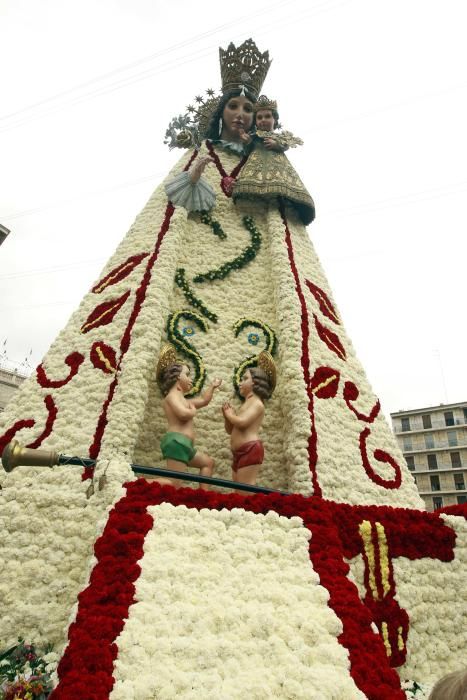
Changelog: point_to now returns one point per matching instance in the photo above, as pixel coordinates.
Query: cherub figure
(177, 445)
(268, 172)
(256, 385)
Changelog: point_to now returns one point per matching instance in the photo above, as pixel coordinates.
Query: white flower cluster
(228, 606)
(48, 527)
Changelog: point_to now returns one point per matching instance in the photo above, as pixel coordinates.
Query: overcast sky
(378, 91)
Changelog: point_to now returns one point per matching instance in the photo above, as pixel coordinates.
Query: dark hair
(261, 384)
(169, 377)
(451, 687)
(213, 128)
(275, 114)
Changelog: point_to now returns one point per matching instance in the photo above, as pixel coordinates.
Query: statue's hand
(245, 137)
(198, 167)
(271, 144)
(216, 383)
(226, 408)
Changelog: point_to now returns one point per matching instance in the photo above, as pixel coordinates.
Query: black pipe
(183, 476)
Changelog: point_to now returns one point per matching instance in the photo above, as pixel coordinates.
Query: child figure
(256, 385)
(177, 445)
(268, 172)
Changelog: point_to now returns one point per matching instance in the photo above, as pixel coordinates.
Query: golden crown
(265, 103)
(244, 67)
(167, 358)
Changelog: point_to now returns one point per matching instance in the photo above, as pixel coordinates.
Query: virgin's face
(237, 118)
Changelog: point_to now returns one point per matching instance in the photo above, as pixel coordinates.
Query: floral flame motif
(330, 339)
(325, 383)
(119, 273)
(325, 305)
(104, 313)
(103, 357)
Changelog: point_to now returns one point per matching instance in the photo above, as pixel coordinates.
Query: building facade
(10, 381)
(434, 443)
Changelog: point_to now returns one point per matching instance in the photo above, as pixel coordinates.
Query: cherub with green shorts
(177, 445)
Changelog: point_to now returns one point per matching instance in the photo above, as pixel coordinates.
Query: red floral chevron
(330, 339)
(104, 313)
(119, 273)
(324, 303)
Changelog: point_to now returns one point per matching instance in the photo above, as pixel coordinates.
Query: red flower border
(87, 664)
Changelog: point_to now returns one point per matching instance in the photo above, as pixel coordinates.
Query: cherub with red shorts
(256, 385)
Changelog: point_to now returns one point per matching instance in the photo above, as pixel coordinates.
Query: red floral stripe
(369, 665)
(15, 428)
(29, 423)
(104, 604)
(85, 669)
(126, 338)
(351, 393)
(313, 439)
(119, 273)
(73, 360)
(410, 533)
(49, 424)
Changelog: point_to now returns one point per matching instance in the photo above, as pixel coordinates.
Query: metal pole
(182, 476)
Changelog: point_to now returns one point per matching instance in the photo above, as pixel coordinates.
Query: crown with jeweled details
(244, 67)
(264, 102)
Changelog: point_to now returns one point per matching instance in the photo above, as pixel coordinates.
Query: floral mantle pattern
(337, 534)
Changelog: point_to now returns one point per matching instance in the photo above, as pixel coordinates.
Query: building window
(449, 418)
(465, 415)
(405, 424)
(426, 421)
(459, 482)
(432, 462)
(434, 481)
(462, 499)
(452, 438)
(429, 441)
(410, 462)
(407, 442)
(437, 502)
(456, 459)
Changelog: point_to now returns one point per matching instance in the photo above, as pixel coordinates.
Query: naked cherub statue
(256, 385)
(177, 445)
